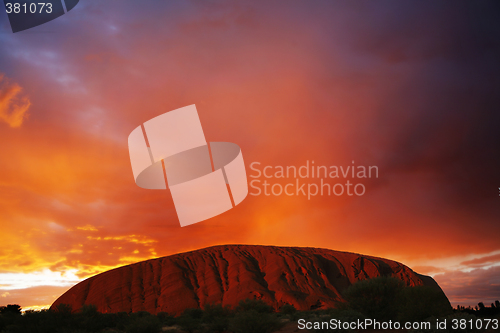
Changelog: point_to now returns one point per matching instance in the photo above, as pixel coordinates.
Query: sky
(411, 88)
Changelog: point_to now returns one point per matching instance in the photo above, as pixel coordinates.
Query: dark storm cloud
(445, 119)
(470, 288)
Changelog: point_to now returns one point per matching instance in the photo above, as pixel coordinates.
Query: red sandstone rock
(304, 277)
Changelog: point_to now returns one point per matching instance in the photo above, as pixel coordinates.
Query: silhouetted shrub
(375, 298)
(288, 309)
(166, 319)
(91, 320)
(216, 318)
(190, 320)
(10, 308)
(89, 310)
(65, 309)
(193, 313)
(387, 298)
(253, 321)
(143, 323)
(9, 315)
(31, 321)
(421, 302)
(44, 320)
(254, 304)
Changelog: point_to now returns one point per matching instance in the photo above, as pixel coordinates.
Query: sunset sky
(412, 88)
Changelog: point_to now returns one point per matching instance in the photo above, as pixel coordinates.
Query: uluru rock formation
(307, 278)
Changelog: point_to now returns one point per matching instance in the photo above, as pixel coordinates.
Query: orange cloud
(483, 261)
(13, 105)
(87, 227)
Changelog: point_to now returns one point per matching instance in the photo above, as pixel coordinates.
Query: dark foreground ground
(250, 317)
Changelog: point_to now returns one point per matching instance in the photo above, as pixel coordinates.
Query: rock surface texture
(307, 278)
